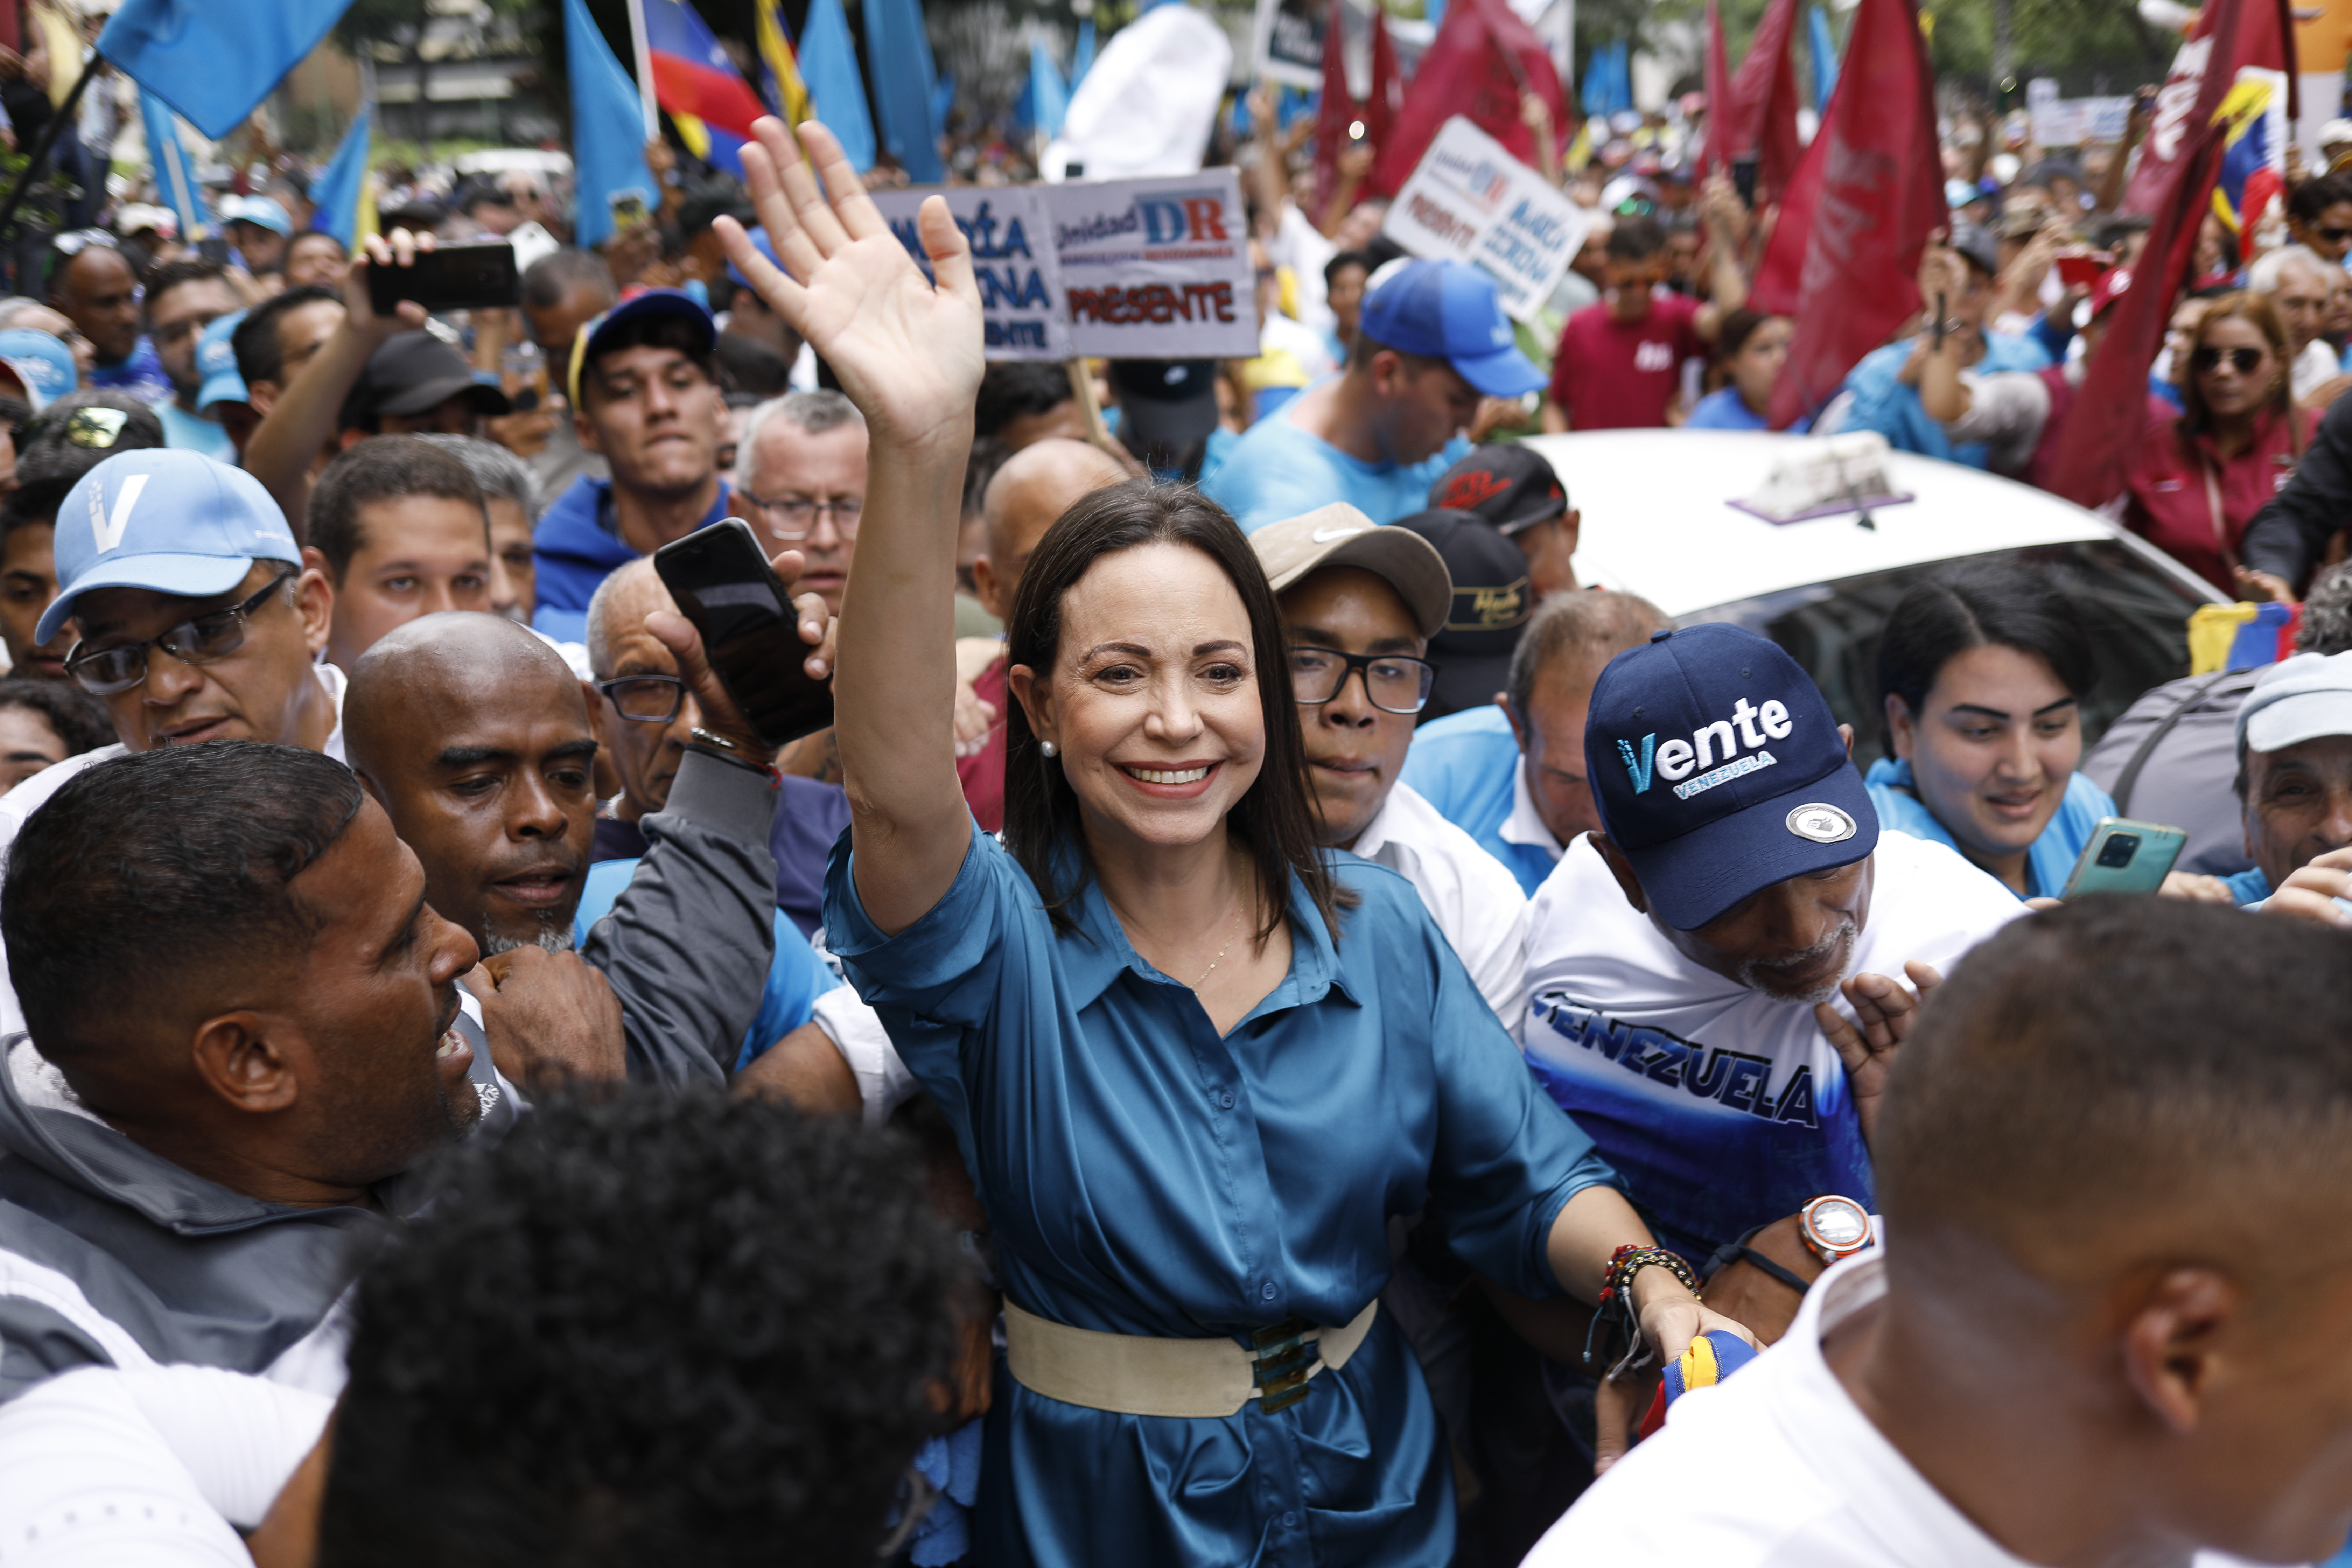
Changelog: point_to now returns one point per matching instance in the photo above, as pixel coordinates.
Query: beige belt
(1137, 1375)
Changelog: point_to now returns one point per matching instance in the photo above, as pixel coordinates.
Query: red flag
(1844, 256)
(1765, 98)
(2261, 32)
(1483, 58)
(1715, 157)
(1339, 106)
(2109, 418)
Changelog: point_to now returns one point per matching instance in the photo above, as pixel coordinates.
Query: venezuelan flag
(787, 95)
(694, 78)
(2254, 155)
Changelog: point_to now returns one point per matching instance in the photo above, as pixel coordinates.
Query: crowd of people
(1275, 1023)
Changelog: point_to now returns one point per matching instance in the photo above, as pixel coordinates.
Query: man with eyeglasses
(93, 285)
(803, 474)
(183, 299)
(645, 397)
(196, 620)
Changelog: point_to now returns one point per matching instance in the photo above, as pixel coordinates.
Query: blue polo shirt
(1147, 1175)
(1467, 765)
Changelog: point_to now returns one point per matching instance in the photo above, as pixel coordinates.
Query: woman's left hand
(1671, 1316)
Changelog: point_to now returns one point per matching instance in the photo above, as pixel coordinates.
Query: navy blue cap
(651, 302)
(1449, 310)
(1718, 770)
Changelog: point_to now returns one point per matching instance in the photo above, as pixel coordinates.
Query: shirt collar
(1099, 951)
(1526, 824)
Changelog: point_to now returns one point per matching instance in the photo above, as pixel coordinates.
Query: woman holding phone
(1193, 1063)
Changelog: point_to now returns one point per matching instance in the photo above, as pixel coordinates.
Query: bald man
(1036, 485)
(475, 736)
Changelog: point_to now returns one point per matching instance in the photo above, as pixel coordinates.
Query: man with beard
(475, 736)
(1708, 977)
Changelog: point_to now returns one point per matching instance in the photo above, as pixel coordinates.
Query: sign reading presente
(1469, 200)
(1147, 269)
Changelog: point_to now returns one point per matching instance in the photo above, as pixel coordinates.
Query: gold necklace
(1220, 952)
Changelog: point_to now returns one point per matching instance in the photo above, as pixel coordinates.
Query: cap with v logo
(169, 521)
(1718, 770)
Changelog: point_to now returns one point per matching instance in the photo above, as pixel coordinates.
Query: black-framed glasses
(199, 639)
(795, 517)
(1395, 682)
(648, 699)
(2242, 361)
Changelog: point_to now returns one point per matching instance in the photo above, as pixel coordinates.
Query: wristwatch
(712, 743)
(1833, 1228)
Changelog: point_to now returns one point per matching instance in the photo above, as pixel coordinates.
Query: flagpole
(49, 138)
(644, 54)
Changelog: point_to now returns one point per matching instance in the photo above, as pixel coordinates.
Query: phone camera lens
(2118, 850)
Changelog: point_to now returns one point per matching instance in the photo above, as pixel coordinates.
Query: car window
(2138, 621)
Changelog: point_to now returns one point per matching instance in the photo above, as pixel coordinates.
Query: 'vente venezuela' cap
(1718, 770)
(168, 521)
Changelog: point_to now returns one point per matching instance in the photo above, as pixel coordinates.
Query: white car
(1659, 521)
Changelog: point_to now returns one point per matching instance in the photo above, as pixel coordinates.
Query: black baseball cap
(1165, 402)
(1718, 770)
(1491, 605)
(1507, 484)
(413, 372)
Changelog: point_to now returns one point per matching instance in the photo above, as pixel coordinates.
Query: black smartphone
(475, 277)
(213, 250)
(723, 583)
(1743, 180)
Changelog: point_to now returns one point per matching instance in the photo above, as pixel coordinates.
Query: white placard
(1157, 269)
(1469, 200)
(1286, 44)
(1012, 257)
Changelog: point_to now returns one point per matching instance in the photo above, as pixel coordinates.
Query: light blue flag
(1082, 59)
(1824, 58)
(829, 66)
(608, 128)
(175, 172)
(903, 78)
(344, 182)
(1049, 101)
(214, 60)
(942, 101)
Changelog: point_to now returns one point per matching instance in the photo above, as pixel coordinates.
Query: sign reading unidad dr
(1147, 269)
(1469, 200)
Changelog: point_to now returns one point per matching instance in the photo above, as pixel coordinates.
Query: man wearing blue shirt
(1431, 340)
(1511, 774)
(183, 299)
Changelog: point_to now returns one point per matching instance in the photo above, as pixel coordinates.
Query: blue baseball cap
(170, 522)
(759, 238)
(216, 362)
(42, 363)
(586, 346)
(1449, 310)
(1718, 770)
(260, 211)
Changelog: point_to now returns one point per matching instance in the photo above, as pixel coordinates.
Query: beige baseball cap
(1339, 535)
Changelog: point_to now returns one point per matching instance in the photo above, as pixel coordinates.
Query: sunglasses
(96, 429)
(2242, 361)
(2334, 236)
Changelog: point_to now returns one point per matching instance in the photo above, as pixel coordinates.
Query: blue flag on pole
(1082, 59)
(829, 66)
(1049, 101)
(175, 172)
(1825, 50)
(213, 60)
(903, 78)
(344, 182)
(608, 125)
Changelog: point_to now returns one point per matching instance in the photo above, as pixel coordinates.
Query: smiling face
(2298, 804)
(1993, 749)
(418, 556)
(264, 691)
(1354, 750)
(654, 417)
(1153, 697)
(485, 760)
(28, 582)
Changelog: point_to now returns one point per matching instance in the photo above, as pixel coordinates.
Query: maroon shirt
(2170, 506)
(1623, 375)
(982, 773)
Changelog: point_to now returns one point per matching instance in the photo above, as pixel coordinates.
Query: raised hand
(907, 351)
(1888, 1014)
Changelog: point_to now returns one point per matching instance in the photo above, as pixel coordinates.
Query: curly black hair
(649, 1329)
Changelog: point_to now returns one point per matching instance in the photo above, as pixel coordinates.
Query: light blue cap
(166, 521)
(216, 362)
(42, 363)
(260, 211)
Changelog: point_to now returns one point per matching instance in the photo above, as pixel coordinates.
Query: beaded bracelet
(1616, 1299)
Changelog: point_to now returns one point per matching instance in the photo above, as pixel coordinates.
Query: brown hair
(2258, 313)
(1273, 820)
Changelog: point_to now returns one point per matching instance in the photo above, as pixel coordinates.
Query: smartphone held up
(723, 583)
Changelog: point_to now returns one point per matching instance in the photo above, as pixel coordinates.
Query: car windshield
(2137, 617)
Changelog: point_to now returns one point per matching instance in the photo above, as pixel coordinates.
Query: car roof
(1657, 518)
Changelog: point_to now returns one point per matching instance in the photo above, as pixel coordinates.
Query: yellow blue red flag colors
(2253, 153)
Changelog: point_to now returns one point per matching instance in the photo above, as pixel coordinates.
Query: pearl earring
(1050, 749)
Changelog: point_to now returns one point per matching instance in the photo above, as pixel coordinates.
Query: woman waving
(1195, 1066)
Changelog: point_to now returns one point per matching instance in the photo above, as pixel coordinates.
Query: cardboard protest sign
(1469, 200)
(1012, 257)
(1157, 269)
(1287, 45)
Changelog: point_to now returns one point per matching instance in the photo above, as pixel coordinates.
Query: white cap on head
(2299, 698)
